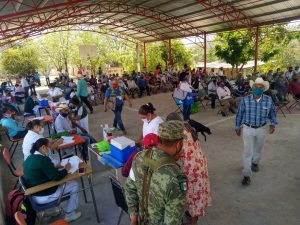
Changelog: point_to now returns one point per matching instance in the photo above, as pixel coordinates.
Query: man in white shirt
(25, 85)
(55, 93)
(132, 87)
(228, 103)
(212, 91)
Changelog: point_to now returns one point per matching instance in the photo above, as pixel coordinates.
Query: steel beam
(227, 12)
(256, 48)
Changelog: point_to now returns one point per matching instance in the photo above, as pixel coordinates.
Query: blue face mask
(49, 153)
(257, 91)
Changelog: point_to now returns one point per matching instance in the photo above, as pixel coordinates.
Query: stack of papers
(74, 161)
(67, 140)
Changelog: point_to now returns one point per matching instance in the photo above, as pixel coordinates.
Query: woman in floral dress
(194, 165)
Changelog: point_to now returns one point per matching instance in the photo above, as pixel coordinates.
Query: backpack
(16, 201)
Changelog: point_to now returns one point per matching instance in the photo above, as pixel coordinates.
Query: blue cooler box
(43, 103)
(121, 154)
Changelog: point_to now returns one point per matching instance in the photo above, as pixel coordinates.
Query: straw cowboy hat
(61, 106)
(259, 80)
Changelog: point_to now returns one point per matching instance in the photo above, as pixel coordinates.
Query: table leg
(49, 129)
(93, 197)
(84, 194)
(40, 112)
(59, 153)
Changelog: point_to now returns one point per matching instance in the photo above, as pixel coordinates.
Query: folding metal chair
(294, 104)
(14, 142)
(280, 106)
(119, 197)
(178, 104)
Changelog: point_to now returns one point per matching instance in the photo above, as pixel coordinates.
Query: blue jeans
(118, 123)
(186, 112)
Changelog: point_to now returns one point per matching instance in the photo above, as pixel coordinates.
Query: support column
(256, 49)
(170, 53)
(204, 55)
(145, 56)
(138, 65)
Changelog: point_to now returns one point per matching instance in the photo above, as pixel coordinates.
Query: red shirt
(294, 87)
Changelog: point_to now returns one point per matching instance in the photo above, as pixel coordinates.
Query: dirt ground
(273, 197)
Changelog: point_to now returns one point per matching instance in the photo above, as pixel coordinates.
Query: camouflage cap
(171, 130)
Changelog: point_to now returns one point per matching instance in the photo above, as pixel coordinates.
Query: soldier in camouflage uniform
(156, 187)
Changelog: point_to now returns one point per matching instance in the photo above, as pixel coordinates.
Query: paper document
(74, 161)
(67, 140)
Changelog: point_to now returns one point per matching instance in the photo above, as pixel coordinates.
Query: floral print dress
(194, 165)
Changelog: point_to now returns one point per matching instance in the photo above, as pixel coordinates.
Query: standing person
(194, 165)
(189, 99)
(150, 121)
(254, 112)
(83, 94)
(47, 76)
(156, 187)
(116, 96)
(25, 85)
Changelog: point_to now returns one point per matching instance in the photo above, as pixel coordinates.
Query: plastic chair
(21, 221)
(42, 207)
(119, 197)
(16, 172)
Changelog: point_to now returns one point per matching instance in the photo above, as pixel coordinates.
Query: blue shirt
(255, 113)
(12, 126)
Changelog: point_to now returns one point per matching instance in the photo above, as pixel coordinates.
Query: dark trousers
(47, 80)
(118, 123)
(213, 98)
(186, 112)
(297, 96)
(142, 89)
(26, 92)
(86, 101)
(20, 134)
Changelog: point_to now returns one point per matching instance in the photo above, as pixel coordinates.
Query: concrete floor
(273, 197)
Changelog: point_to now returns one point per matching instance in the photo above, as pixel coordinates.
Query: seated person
(149, 141)
(79, 114)
(35, 132)
(14, 130)
(228, 103)
(19, 93)
(31, 105)
(55, 93)
(38, 169)
(64, 124)
(294, 87)
(212, 91)
(281, 85)
(132, 87)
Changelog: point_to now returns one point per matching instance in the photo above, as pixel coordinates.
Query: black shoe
(246, 181)
(223, 114)
(254, 167)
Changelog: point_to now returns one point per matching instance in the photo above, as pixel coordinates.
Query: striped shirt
(255, 113)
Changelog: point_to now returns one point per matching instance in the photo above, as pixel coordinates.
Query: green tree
(235, 48)
(20, 60)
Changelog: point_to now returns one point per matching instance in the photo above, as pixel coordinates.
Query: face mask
(49, 153)
(257, 91)
(41, 132)
(7, 115)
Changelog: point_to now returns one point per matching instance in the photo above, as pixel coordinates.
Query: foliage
(234, 47)
(180, 54)
(20, 60)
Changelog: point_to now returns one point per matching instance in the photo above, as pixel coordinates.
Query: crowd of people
(167, 177)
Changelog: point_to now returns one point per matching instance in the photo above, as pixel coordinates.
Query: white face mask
(41, 132)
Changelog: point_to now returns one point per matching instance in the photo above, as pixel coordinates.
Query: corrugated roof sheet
(143, 20)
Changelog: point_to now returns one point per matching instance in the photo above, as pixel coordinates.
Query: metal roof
(142, 20)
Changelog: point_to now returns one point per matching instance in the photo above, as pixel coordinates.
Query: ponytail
(148, 108)
(38, 144)
(35, 122)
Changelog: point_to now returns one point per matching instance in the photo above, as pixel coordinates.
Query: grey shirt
(62, 124)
